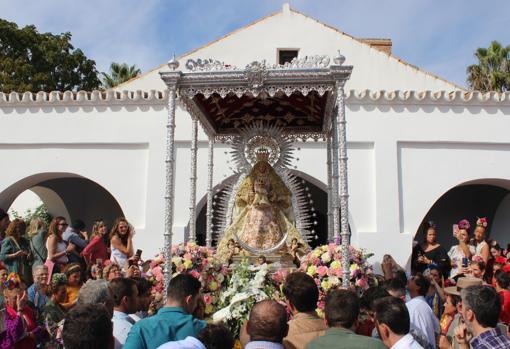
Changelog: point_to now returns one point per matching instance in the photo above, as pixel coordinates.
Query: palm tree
(492, 73)
(119, 73)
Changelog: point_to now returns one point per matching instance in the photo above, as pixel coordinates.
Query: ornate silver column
(334, 181)
(209, 213)
(344, 195)
(193, 181)
(171, 79)
(330, 191)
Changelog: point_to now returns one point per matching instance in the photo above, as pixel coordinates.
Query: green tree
(492, 73)
(33, 61)
(119, 73)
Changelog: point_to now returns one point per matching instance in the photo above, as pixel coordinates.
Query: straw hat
(463, 283)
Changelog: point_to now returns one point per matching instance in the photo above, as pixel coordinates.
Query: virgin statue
(263, 215)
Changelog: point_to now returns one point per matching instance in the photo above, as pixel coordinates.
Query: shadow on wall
(468, 202)
(71, 196)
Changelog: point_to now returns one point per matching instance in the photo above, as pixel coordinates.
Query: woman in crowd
(461, 254)
(97, 248)
(450, 310)
(433, 252)
(3, 279)
(481, 246)
(502, 283)
(121, 242)
(435, 296)
(15, 304)
(54, 312)
(111, 271)
(37, 233)
(56, 246)
(73, 273)
(4, 223)
(477, 268)
(15, 251)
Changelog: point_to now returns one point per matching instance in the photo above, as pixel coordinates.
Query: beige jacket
(303, 328)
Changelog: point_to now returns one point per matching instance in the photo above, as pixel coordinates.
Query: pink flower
(187, 256)
(337, 272)
(195, 274)
(207, 299)
(322, 270)
(362, 283)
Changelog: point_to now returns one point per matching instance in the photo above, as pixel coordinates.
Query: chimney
(383, 45)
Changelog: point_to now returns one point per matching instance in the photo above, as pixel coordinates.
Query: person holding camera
(461, 254)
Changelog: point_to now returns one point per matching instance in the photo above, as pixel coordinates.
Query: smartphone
(464, 262)
(455, 229)
(139, 253)
(131, 262)
(99, 261)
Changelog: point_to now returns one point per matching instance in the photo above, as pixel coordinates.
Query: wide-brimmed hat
(463, 283)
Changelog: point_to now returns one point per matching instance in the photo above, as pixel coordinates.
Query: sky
(436, 35)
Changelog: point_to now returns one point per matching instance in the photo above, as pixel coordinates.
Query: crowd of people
(62, 287)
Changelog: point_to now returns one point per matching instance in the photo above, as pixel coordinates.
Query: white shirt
(423, 319)
(456, 254)
(187, 343)
(122, 324)
(406, 342)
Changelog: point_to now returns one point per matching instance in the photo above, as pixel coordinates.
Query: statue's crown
(262, 154)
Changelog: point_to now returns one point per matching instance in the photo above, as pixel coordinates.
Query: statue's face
(262, 167)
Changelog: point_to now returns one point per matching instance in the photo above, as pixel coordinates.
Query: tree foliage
(492, 73)
(33, 61)
(119, 73)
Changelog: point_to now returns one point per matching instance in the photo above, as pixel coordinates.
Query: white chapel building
(419, 147)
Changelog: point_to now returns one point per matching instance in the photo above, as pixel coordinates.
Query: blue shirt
(38, 298)
(169, 324)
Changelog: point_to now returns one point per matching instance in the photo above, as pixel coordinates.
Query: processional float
(261, 110)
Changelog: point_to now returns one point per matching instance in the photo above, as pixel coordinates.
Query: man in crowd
(174, 321)
(449, 341)
(73, 234)
(267, 326)
(144, 299)
(393, 324)
(125, 302)
(302, 295)
(88, 326)
(96, 292)
(481, 306)
(214, 336)
(37, 291)
(341, 312)
(421, 315)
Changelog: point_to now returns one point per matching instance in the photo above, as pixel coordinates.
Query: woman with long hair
(433, 252)
(74, 282)
(38, 233)
(461, 254)
(97, 248)
(56, 246)
(121, 240)
(15, 251)
(481, 246)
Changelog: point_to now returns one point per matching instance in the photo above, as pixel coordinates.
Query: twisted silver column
(169, 186)
(330, 191)
(193, 181)
(209, 213)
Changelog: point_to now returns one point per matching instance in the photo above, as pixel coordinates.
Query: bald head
(268, 322)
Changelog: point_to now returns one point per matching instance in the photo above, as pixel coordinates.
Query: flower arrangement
(196, 260)
(247, 285)
(324, 264)
(482, 222)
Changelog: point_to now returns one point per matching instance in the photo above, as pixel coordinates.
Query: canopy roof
(298, 96)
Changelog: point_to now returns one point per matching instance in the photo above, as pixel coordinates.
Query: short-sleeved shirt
(169, 324)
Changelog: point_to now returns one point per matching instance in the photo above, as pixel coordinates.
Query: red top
(96, 249)
(505, 306)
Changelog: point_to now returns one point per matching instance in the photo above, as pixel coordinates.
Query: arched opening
(317, 194)
(68, 195)
(480, 198)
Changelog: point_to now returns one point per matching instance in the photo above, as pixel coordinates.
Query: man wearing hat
(449, 340)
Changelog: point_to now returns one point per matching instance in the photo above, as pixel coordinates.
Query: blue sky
(436, 35)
